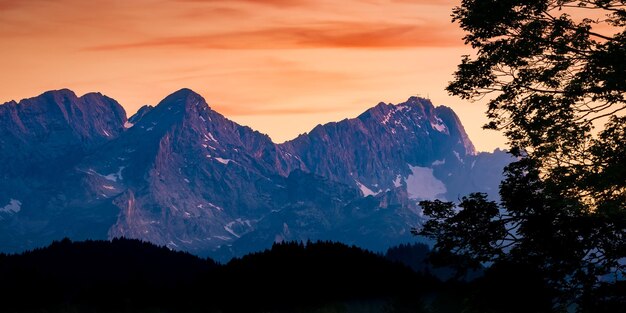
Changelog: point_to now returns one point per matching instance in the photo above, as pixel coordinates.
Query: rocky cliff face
(186, 177)
(42, 139)
(182, 175)
(52, 131)
(411, 148)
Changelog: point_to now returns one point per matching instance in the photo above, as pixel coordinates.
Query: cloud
(6, 5)
(216, 13)
(276, 3)
(319, 35)
(449, 3)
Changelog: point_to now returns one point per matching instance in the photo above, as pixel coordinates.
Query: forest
(127, 275)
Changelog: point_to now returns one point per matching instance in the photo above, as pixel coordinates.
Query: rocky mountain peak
(56, 125)
(184, 99)
(418, 102)
(414, 108)
(139, 115)
(182, 175)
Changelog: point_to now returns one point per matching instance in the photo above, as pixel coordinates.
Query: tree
(552, 72)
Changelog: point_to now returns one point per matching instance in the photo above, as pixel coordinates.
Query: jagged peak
(183, 97)
(383, 112)
(59, 92)
(94, 94)
(414, 102)
(418, 100)
(184, 92)
(65, 101)
(140, 113)
(49, 96)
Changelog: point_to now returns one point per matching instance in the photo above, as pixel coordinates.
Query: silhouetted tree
(552, 72)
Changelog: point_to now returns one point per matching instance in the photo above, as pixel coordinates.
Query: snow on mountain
(182, 175)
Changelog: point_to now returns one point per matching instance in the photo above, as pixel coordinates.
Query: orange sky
(279, 66)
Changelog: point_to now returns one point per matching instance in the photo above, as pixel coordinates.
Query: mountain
(412, 146)
(186, 177)
(182, 175)
(42, 139)
(56, 127)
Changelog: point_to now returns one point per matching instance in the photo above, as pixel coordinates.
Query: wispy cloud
(6, 5)
(320, 35)
(278, 3)
(447, 3)
(216, 12)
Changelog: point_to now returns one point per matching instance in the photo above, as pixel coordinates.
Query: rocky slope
(182, 175)
(410, 147)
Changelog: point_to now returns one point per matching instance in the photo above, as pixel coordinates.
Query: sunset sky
(278, 66)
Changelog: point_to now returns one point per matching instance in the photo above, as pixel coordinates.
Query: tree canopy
(553, 74)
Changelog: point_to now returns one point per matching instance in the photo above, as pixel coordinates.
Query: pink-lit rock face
(182, 175)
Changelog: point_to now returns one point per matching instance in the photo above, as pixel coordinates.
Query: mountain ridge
(146, 108)
(182, 175)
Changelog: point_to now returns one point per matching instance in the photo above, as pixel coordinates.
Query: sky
(278, 66)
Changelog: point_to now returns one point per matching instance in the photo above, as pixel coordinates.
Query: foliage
(548, 72)
(552, 73)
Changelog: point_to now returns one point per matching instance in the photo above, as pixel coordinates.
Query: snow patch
(458, 156)
(128, 124)
(115, 176)
(223, 161)
(439, 162)
(401, 124)
(423, 185)
(14, 206)
(106, 133)
(225, 238)
(366, 191)
(228, 228)
(109, 187)
(215, 206)
(439, 126)
(186, 180)
(149, 129)
(386, 118)
(202, 118)
(210, 137)
(392, 110)
(246, 222)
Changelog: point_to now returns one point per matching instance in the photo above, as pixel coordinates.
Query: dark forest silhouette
(131, 275)
(126, 275)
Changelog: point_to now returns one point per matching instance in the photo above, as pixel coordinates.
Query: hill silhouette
(130, 275)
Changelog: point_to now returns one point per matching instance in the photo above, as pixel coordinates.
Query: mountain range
(182, 175)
